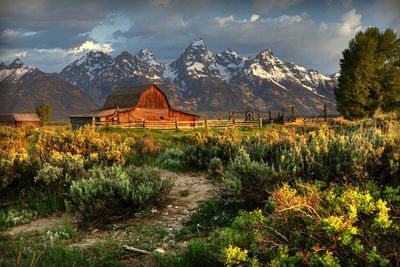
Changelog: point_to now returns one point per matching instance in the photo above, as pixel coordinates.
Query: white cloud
(224, 20)
(90, 45)
(254, 17)
(351, 23)
(21, 54)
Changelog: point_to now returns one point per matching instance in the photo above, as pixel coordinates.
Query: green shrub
(215, 169)
(246, 182)
(208, 145)
(338, 225)
(112, 189)
(172, 159)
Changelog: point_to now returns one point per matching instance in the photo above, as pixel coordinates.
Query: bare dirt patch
(184, 197)
(38, 225)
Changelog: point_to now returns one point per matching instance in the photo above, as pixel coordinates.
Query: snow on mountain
(229, 63)
(14, 72)
(148, 66)
(270, 67)
(198, 75)
(195, 63)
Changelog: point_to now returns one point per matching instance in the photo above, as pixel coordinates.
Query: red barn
(134, 104)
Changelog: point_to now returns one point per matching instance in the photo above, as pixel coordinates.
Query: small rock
(160, 251)
(165, 213)
(176, 207)
(95, 230)
(169, 206)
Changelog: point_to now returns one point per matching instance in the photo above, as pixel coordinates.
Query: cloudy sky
(50, 34)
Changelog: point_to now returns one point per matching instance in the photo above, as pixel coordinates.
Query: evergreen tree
(369, 75)
(44, 112)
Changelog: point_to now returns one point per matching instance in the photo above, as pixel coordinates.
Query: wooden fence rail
(174, 125)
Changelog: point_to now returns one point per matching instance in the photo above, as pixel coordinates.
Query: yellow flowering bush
(234, 256)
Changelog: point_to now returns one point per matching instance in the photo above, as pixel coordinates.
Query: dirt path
(180, 206)
(38, 225)
(180, 203)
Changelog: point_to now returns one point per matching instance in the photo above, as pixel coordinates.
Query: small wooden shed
(19, 119)
(134, 104)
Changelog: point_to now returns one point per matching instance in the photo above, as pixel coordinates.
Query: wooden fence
(175, 125)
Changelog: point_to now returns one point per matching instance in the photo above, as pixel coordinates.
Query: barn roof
(19, 117)
(125, 97)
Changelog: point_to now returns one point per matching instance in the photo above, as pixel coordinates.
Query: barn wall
(182, 116)
(152, 98)
(151, 113)
(7, 123)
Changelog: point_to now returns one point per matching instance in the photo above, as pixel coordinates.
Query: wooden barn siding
(7, 123)
(182, 116)
(19, 123)
(152, 98)
(152, 113)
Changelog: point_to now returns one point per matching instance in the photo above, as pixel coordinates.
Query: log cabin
(19, 119)
(133, 104)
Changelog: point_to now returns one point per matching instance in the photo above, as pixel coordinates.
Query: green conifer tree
(369, 74)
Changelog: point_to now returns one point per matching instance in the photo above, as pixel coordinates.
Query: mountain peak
(198, 42)
(266, 52)
(16, 64)
(145, 55)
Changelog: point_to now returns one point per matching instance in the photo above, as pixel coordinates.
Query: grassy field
(319, 195)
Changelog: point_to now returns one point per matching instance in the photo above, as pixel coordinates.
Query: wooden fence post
(117, 114)
(144, 123)
(176, 123)
(283, 115)
(259, 121)
(205, 122)
(254, 115)
(93, 122)
(293, 113)
(325, 112)
(129, 119)
(233, 118)
(219, 116)
(270, 116)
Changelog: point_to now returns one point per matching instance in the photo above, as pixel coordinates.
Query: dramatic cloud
(58, 32)
(89, 45)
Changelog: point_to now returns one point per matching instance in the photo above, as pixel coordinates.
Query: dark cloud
(52, 28)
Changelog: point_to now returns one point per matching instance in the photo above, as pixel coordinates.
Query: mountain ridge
(23, 88)
(201, 80)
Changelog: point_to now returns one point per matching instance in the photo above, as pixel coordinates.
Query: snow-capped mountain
(230, 63)
(23, 88)
(202, 80)
(195, 63)
(96, 72)
(14, 72)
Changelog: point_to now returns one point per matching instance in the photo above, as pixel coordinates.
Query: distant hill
(23, 88)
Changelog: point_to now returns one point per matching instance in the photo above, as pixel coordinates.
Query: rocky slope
(23, 88)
